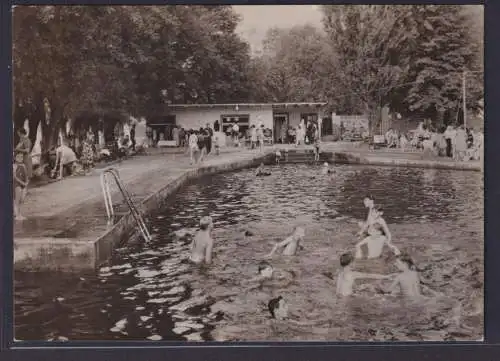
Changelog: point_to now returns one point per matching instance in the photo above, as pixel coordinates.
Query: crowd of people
(304, 133)
(457, 142)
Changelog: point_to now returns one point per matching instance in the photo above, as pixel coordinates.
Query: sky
(257, 19)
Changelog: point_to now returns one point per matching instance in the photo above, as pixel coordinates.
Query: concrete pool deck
(66, 221)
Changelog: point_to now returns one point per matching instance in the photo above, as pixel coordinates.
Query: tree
(366, 42)
(439, 53)
(124, 60)
(294, 64)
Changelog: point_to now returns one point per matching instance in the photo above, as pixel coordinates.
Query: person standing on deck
(132, 136)
(24, 147)
(210, 134)
(236, 134)
(193, 146)
(253, 137)
(260, 137)
(21, 182)
(175, 135)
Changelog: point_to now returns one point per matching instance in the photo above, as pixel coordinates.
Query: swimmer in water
(266, 272)
(326, 169)
(408, 281)
(370, 205)
(260, 171)
(378, 235)
(202, 245)
(278, 308)
(346, 277)
(291, 243)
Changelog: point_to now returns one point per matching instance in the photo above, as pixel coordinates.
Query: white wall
(294, 113)
(194, 118)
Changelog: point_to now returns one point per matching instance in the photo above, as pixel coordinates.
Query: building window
(309, 117)
(243, 121)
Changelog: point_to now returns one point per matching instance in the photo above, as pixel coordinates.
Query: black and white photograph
(260, 173)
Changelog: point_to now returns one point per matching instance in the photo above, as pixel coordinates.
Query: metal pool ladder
(109, 203)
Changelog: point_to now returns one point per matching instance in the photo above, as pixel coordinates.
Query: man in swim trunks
(202, 246)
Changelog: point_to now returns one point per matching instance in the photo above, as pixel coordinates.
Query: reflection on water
(150, 291)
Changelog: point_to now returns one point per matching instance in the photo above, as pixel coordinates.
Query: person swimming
(202, 245)
(408, 280)
(326, 169)
(266, 272)
(378, 235)
(346, 277)
(260, 172)
(291, 243)
(279, 310)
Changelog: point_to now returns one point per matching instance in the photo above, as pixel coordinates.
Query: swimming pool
(149, 291)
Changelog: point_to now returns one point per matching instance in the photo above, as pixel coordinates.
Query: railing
(109, 203)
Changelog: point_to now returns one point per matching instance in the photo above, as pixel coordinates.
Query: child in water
(278, 308)
(260, 171)
(266, 273)
(408, 280)
(326, 169)
(347, 276)
(291, 243)
(202, 246)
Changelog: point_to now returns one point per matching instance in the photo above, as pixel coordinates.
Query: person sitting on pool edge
(202, 245)
(291, 243)
(260, 171)
(346, 277)
(378, 235)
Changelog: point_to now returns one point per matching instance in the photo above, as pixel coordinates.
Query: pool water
(150, 291)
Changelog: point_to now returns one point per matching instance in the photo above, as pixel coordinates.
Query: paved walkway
(140, 174)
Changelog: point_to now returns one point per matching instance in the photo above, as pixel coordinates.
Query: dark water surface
(149, 291)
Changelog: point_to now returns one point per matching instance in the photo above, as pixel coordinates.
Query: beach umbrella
(37, 147)
(26, 126)
(69, 125)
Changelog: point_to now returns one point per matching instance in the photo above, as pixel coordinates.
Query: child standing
(20, 185)
(253, 137)
(316, 149)
(202, 246)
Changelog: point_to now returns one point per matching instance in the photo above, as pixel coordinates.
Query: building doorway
(280, 122)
